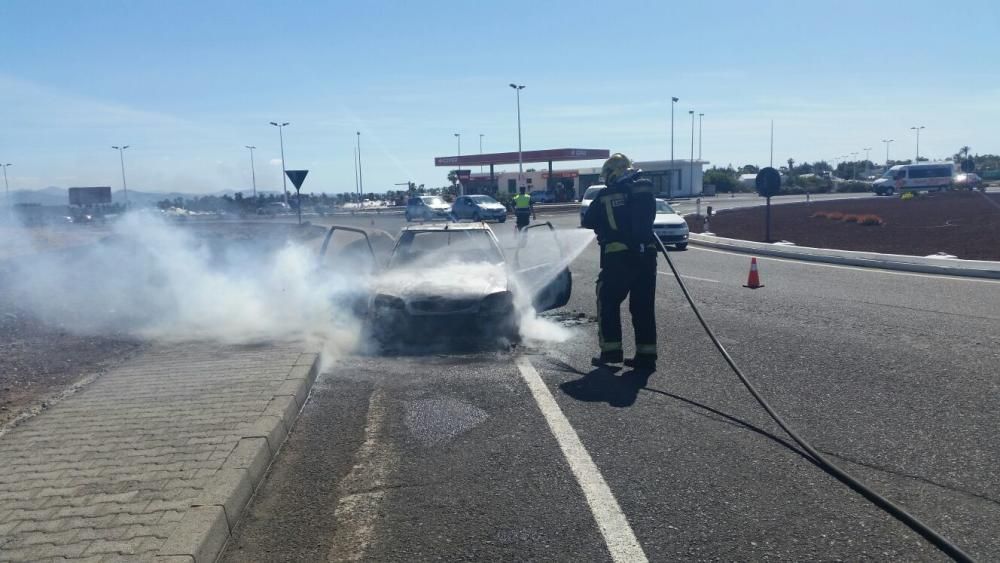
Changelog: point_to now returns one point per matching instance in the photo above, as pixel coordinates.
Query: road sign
(968, 165)
(297, 177)
(768, 182)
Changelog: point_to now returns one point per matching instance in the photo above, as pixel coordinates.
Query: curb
(208, 524)
(939, 266)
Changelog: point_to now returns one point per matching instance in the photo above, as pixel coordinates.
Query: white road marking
(842, 267)
(618, 534)
(363, 490)
(687, 277)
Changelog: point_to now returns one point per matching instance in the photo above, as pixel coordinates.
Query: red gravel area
(963, 224)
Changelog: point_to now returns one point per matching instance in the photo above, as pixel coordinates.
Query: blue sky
(187, 84)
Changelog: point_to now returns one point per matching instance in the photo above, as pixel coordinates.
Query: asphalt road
(461, 456)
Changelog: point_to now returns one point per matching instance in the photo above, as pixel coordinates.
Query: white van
(910, 177)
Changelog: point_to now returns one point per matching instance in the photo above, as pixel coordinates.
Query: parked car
(588, 196)
(479, 208)
(669, 226)
(912, 177)
(426, 208)
(541, 196)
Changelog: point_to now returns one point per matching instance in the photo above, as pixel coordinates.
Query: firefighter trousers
(633, 275)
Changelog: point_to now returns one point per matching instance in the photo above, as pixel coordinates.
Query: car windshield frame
(660, 204)
(479, 198)
(402, 257)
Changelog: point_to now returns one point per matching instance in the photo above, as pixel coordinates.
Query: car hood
(668, 219)
(460, 281)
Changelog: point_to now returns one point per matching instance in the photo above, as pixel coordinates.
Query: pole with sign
(297, 177)
(768, 185)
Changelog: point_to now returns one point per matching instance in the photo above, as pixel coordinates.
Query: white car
(427, 208)
(670, 227)
(588, 196)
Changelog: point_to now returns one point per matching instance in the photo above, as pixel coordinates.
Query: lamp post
(887, 141)
(121, 157)
(481, 152)
(867, 150)
(917, 129)
(281, 139)
(691, 171)
(458, 165)
(700, 116)
(520, 162)
(361, 177)
(670, 184)
(854, 166)
(6, 186)
(253, 172)
(354, 157)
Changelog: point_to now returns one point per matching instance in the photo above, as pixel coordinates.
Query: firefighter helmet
(615, 167)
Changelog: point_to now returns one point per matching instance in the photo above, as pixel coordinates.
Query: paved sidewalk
(112, 472)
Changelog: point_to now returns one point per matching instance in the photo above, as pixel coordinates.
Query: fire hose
(894, 510)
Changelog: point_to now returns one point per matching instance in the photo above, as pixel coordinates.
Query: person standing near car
(622, 216)
(524, 209)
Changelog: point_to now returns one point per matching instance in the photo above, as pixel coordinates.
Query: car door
(541, 263)
(460, 207)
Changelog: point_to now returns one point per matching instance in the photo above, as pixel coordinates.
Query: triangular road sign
(297, 177)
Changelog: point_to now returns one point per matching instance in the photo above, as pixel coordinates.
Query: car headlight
(497, 302)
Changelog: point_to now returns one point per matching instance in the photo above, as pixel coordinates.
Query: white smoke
(157, 280)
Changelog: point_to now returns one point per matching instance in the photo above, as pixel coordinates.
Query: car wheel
(502, 220)
(408, 217)
(477, 217)
(682, 246)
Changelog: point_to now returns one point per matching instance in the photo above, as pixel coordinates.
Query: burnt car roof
(448, 227)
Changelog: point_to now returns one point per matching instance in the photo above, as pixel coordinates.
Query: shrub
(907, 196)
(835, 216)
(851, 218)
(819, 215)
(870, 220)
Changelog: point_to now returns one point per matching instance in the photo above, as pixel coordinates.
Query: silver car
(670, 227)
(479, 208)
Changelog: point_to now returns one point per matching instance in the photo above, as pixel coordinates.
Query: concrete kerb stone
(919, 264)
(205, 528)
(201, 535)
(231, 489)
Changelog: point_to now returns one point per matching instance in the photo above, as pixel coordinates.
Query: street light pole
(887, 141)
(772, 144)
(361, 177)
(480, 152)
(6, 187)
(121, 156)
(670, 184)
(354, 158)
(458, 165)
(520, 162)
(691, 170)
(253, 171)
(867, 150)
(854, 166)
(700, 116)
(281, 138)
(917, 129)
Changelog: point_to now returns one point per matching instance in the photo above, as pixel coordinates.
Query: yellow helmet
(615, 167)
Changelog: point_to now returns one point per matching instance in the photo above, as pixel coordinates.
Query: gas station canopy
(550, 155)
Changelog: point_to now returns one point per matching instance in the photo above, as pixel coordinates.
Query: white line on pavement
(617, 532)
(842, 267)
(689, 277)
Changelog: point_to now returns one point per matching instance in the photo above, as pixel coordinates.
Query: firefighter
(622, 215)
(524, 210)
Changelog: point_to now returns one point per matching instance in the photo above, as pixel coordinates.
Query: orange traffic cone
(753, 280)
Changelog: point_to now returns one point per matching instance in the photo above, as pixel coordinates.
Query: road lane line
(363, 490)
(618, 534)
(872, 270)
(687, 277)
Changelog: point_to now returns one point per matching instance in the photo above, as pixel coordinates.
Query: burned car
(454, 281)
